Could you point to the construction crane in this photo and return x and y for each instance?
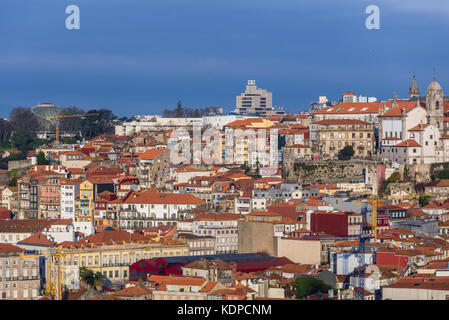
(58, 117)
(54, 119)
(360, 279)
(52, 288)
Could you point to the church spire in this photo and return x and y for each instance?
(414, 90)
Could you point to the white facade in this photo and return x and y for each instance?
(85, 227)
(225, 233)
(345, 263)
(57, 233)
(154, 123)
(182, 176)
(68, 200)
(219, 122)
(60, 232)
(157, 211)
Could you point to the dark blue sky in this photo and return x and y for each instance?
(142, 56)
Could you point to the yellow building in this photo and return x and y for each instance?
(86, 205)
(241, 145)
(110, 254)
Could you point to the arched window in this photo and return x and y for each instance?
(437, 105)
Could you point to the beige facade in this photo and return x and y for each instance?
(254, 100)
(304, 251)
(19, 277)
(258, 237)
(414, 294)
(113, 260)
(334, 135)
(294, 152)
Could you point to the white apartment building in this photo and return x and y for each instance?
(223, 227)
(13, 231)
(156, 123)
(144, 209)
(69, 192)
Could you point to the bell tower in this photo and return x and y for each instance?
(434, 105)
(414, 90)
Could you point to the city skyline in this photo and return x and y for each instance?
(145, 59)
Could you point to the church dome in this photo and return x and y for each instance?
(434, 85)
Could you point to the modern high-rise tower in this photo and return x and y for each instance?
(254, 101)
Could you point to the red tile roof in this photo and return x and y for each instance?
(7, 248)
(340, 121)
(151, 197)
(408, 143)
(37, 239)
(150, 154)
(353, 108)
(216, 217)
(418, 127)
(403, 105)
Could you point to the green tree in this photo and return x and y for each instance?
(22, 140)
(87, 275)
(99, 280)
(346, 153)
(306, 286)
(13, 182)
(40, 158)
(395, 177)
(405, 172)
(424, 200)
(443, 174)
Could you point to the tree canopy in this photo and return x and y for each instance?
(91, 278)
(40, 158)
(424, 200)
(22, 141)
(306, 286)
(181, 112)
(346, 153)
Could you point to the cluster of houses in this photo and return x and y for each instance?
(154, 229)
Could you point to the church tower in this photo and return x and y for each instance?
(414, 90)
(434, 105)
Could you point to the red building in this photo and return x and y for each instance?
(392, 257)
(246, 262)
(340, 224)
